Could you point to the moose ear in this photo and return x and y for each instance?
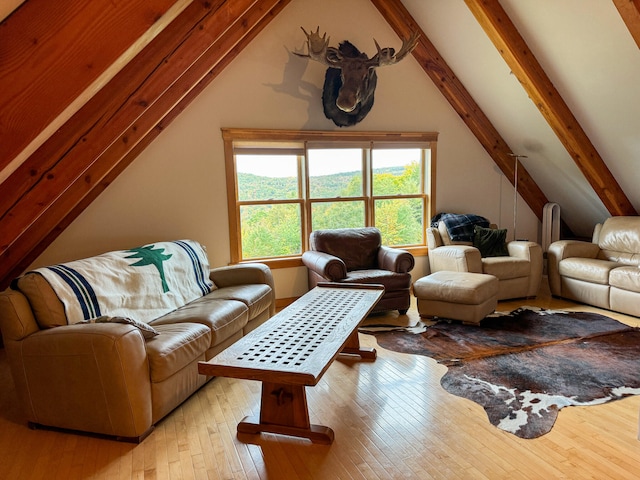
(333, 57)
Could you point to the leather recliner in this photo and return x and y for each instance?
(519, 273)
(604, 272)
(356, 255)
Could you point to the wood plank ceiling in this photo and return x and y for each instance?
(74, 163)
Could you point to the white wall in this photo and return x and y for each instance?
(176, 187)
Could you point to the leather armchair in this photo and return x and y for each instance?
(519, 274)
(356, 255)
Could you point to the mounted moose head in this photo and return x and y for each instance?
(350, 80)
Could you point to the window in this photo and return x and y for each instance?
(284, 184)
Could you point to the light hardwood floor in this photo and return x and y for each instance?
(392, 420)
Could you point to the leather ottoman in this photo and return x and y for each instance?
(464, 296)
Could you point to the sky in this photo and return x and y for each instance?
(322, 161)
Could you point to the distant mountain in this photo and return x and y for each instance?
(255, 187)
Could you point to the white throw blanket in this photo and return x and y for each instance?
(143, 283)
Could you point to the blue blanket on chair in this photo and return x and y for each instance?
(460, 226)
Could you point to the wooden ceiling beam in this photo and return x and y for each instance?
(463, 103)
(630, 12)
(52, 52)
(96, 144)
(503, 33)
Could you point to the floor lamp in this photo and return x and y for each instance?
(515, 191)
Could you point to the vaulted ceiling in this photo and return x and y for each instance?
(67, 131)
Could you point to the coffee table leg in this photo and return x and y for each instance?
(284, 410)
(353, 347)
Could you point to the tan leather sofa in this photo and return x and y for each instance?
(519, 274)
(107, 378)
(604, 272)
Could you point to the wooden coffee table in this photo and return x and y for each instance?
(292, 350)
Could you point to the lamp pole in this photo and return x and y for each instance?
(515, 191)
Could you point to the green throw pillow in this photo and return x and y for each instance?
(490, 241)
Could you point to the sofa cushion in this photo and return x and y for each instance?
(390, 281)
(178, 345)
(625, 278)
(621, 234)
(222, 317)
(587, 269)
(257, 297)
(622, 258)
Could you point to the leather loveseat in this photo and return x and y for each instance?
(604, 272)
(124, 353)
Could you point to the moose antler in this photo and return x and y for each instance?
(319, 49)
(350, 80)
(387, 56)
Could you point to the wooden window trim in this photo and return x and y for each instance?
(231, 135)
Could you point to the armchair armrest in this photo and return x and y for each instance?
(528, 250)
(88, 377)
(242, 274)
(434, 239)
(532, 252)
(395, 260)
(325, 265)
(455, 258)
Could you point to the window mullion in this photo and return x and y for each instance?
(306, 220)
(368, 185)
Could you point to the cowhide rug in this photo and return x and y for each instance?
(525, 366)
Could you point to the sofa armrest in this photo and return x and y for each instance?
(16, 316)
(565, 249)
(573, 248)
(395, 260)
(455, 258)
(88, 377)
(242, 274)
(324, 264)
